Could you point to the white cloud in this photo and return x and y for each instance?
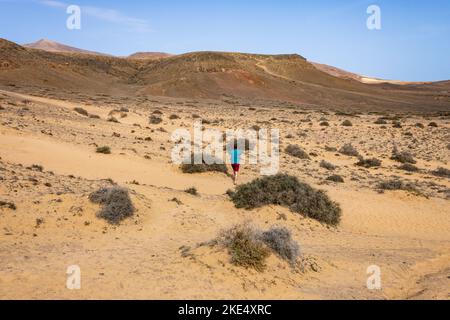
(105, 14)
(54, 4)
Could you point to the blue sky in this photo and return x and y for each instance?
(413, 43)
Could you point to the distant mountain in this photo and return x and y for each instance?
(339, 73)
(214, 75)
(52, 46)
(149, 55)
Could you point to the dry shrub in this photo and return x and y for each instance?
(408, 167)
(191, 167)
(245, 247)
(7, 204)
(104, 150)
(296, 151)
(193, 191)
(442, 172)
(349, 150)
(327, 165)
(347, 123)
(402, 156)
(81, 111)
(279, 239)
(249, 247)
(336, 178)
(396, 184)
(116, 204)
(368, 163)
(380, 121)
(155, 119)
(287, 191)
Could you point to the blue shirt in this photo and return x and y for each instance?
(235, 156)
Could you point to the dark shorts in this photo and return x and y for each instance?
(235, 167)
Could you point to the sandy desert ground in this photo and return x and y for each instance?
(49, 166)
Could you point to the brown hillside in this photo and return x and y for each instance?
(149, 55)
(212, 75)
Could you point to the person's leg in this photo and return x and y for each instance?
(235, 177)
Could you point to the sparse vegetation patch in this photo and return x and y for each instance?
(402, 156)
(349, 150)
(104, 150)
(116, 204)
(287, 191)
(296, 151)
(191, 167)
(368, 163)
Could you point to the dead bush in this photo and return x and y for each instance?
(368, 163)
(347, 123)
(349, 150)
(81, 111)
(327, 165)
(296, 151)
(279, 239)
(442, 172)
(7, 204)
(155, 119)
(402, 156)
(192, 167)
(116, 204)
(104, 150)
(408, 167)
(336, 178)
(245, 247)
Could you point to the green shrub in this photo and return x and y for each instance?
(104, 150)
(324, 124)
(433, 124)
(173, 117)
(287, 191)
(116, 204)
(296, 151)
